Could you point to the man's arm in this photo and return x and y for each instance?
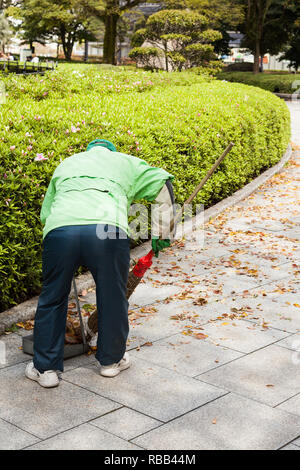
(163, 213)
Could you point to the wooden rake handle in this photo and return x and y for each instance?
(201, 184)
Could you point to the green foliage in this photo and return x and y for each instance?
(179, 121)
(222, 15)
(182, 35)
(69, 20)
(292, 52)
(146, 56)
(277, 83)
(212, 70)
(5, 32)
(138, 37)
(175, 21)
(267, 26)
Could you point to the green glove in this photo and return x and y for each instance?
(158, 245)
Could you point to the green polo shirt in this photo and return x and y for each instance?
(98, 187)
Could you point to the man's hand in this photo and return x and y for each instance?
(158, 245)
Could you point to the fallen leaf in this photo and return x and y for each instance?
(200, 301)
(200, 335)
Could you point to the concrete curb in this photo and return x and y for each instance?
(26, 310)
(288, 96)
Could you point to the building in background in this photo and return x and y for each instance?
(239, 55)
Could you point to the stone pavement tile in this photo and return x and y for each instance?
(230, 422)
(11, 352)
(13, 438)
(230, 283)
(284, 291)
(146, 294)
(215, 286)
(290, 447)
(293, 233)
(295, 114)
(184, 266)
(258, 310)
(44, 412)
(275, 314)
(238, 224)
(78, 361)
(291, 342)
(15, 355)
(159, 325)
(84, 437)
(292, 405)
(89, 298)
(297, 442)
(241, 335)
(268, 375)
(125, 423)
(153, 327)
(186, 355)
(150, 389)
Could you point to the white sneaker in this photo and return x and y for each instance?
(114, 369)
(48, 379)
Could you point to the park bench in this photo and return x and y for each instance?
(25, 68)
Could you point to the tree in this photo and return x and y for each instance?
(5, 32)
(182, 35)
(222, 15)
(110, 12)
(4, 4)
(66, 19)
(268, 26)
(256, 15)
(292, 50)
(27, 27)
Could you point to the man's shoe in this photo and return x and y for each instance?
(48, 379)
(114, 369)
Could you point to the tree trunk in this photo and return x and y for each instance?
(110, 38)
(256, 56)
(67, 41)
(166, 55)
(68, 49)
(86, 50)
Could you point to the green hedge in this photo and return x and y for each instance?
(277, 83)
(181, 128)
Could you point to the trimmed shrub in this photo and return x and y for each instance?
(277, 83)
(147, 57)
(182, 128)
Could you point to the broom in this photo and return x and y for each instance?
(137, 273)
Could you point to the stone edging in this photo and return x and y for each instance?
(288, 96)
(26, 310)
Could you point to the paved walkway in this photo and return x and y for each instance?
(215, 347)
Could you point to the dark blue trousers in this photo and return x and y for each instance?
(107, 257)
